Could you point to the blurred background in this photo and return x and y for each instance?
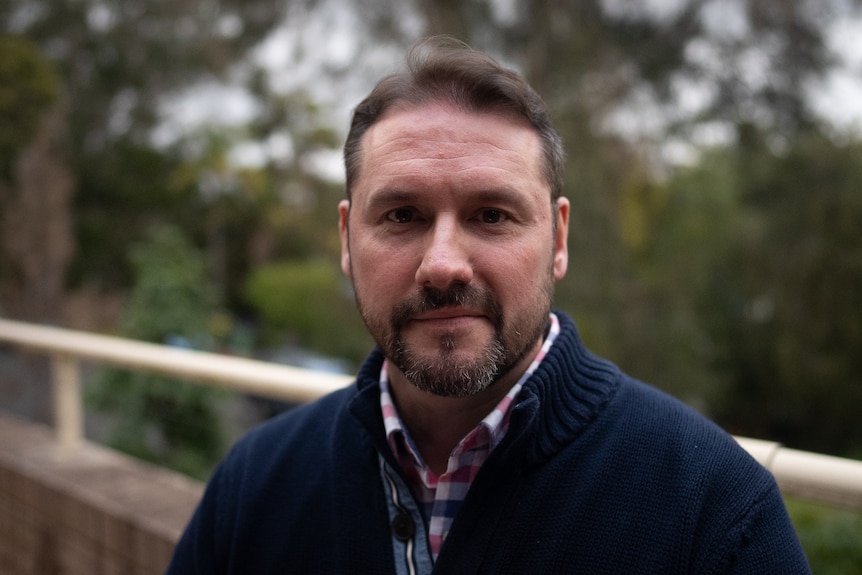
(169, 171)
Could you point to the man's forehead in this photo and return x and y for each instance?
(427, 128)
(443, 107)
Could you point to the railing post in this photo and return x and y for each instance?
(68, 404)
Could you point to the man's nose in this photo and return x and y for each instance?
(446, 259)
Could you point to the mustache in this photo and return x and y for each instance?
(457, 295)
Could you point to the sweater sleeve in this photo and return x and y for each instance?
(197, 551)
(762, 543)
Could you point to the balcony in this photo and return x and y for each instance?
(68, 505)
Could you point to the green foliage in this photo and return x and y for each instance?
(116, 66)
(117, 59)
(785, 305)
(160, 419)
(166, 421)
(172, 294)
(28, 88)
(129, 188)
(293, 294)
(741, 287)
(688, 221)
(829, 536)
(312, 303)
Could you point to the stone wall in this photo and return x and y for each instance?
(85, 510)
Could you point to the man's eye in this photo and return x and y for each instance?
(492, 216)
(401, 215)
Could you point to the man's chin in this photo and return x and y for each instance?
(450, 388)
(435, 343)
(452, 373)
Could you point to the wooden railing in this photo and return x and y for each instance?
(802, 474)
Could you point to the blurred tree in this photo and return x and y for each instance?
(118, 62)
(306, 299)
(35, 185)
(786, 307)
(156, 418)
(28, 90)
(36, 228)
(830, 536)
(280, 207)
(297, 203)
(691, 223)
(123, 191)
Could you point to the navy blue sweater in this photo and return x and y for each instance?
(599, 473)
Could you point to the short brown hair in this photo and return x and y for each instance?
(441, 68)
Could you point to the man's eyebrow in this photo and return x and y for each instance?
(390, 196)
(500, 195)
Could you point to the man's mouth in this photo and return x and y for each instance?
(448, 313)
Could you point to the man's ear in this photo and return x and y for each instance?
(561, 236)
(343, 213)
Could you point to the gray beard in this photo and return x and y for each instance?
(451, 373)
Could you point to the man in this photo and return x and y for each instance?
(481, 436)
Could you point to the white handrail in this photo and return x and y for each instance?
(236, 373)
(813, 476)
(810, 476)
(68, 347)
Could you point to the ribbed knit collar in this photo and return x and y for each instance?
(567, 391)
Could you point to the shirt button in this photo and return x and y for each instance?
(403, 527)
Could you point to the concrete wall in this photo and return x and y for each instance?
(86, 510)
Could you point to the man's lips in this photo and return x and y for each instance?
(447, 314)
(447, 319)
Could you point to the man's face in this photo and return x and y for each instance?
(450, 240)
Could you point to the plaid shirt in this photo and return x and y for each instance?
(440, 496)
